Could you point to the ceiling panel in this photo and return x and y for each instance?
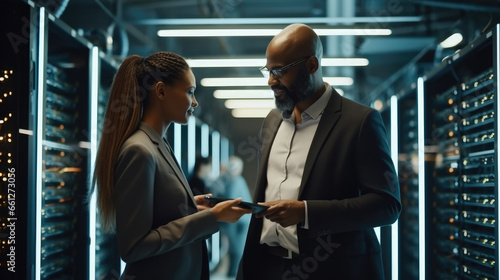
(386, 54)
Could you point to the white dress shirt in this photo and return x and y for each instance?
(286, 166)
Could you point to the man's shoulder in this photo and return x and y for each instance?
(351, 105)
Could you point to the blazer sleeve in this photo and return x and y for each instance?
(133, 193)
(378, 202)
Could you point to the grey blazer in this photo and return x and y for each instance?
(159, 229)
(350, 186)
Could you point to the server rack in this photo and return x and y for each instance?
(408, 173)
(461, 163)
(56, 85)
(49, 85)
(385, 233)
(104, 256)
(62, 153)
(15, 137)
(401, 241)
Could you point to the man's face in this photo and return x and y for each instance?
(292, 89)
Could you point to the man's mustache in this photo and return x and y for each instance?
(279, 88)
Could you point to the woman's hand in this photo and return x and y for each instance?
(201, 202)
(228, 212)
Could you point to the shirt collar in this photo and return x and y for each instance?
(316, 109)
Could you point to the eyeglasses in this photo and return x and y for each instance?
(279, 73)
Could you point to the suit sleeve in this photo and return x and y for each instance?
(379, 201)
(133, 193)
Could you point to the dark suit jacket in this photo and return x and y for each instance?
(159, 229)
(350, 186)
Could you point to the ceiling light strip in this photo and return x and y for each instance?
(250, 103)
(289, 20)
(250, 93)
(257, 62)
(242, 82)
(243, 94)
(250, 113)
(267, 32)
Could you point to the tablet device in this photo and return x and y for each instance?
(247, 205)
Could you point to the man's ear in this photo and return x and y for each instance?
(312, 64)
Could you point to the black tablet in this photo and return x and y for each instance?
(247, 205)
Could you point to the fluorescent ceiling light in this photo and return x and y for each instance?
(267, 32)
(339, 81)
(233, 62)
(250, 103)
(243, 93)
(258, 62)
(250, 113)
(452, 41)
(233, 82)
(277, 20)
(250, 93)
(353, 32)
(245, 82)
(344, 62)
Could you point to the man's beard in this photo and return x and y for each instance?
(298, 91)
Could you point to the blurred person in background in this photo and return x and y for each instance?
(201, 175)
(231, 184)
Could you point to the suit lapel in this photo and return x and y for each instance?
(331, 115)
(269, 130)
(168, 156)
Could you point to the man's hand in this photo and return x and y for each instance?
(284, 212)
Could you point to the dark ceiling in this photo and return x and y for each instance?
(133, 25)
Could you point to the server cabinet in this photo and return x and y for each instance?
(16, 137)
(385, 234)
(461, 163)
(400, 241)
(50, 88)
(62, 212)
(104, 259)
(408, 173)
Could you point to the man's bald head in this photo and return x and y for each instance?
(298, 50)
(294, 42)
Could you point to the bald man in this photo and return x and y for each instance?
(325, 172)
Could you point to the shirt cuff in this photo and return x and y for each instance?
(306, 221)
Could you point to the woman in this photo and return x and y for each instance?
(142, 193)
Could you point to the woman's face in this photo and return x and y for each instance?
(180, 100)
